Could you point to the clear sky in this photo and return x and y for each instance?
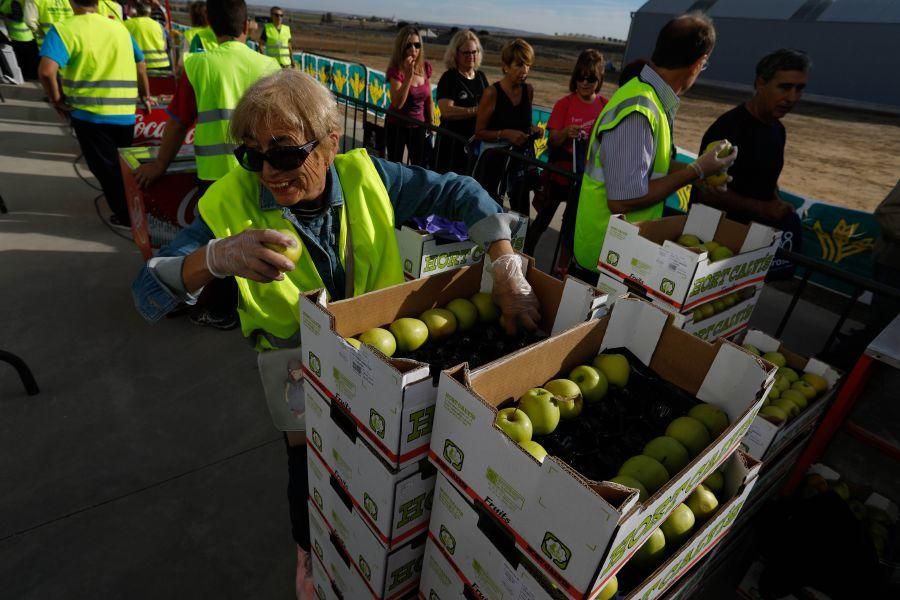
(595, 17)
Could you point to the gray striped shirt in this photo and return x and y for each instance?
(627, 151)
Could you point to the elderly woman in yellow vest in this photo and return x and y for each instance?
(276, 38)
(340, 209)
(150, 37)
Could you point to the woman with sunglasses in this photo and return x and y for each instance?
(409, 76)
(458, 93)
(339, 210)
(569, 125)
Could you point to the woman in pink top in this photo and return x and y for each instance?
(570, 125)
(409, 75)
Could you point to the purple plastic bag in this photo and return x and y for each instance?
(443, 228)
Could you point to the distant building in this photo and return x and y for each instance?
(854, 44)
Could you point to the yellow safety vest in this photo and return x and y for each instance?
(150, 39)
(593, 211)
(269, 312)
(208, 40)
(110, 9)
(101, 76)
(190, 33)
(219, 78)
(18, 30)
(51, 12)
(278, 44)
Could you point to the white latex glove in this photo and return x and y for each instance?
(513, 294)
(709, 162)
(245, 255)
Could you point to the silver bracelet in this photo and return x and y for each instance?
(697, 169)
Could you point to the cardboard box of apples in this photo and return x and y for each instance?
(690, 260)
(803, 389)
(601, 470)
(377, 356)
(469, 551)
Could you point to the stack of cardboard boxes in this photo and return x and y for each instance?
(709, 298)
(369, 421)
(507, 526)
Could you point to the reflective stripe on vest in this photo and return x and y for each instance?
(366, 228)
(593, 213)
(149, 36)
(101, 76)
(219, 77)
(278, 43)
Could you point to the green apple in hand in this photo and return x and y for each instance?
(534, 449)
(292, 253)
(542, 408)
(441, 322)
(379, 338)
(515, 423)
(615, 367)
(410, 333)
(568, 397)
(465, 312)
(487, 310)
(591, 381)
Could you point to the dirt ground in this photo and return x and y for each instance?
(841, 156)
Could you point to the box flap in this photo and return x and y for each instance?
(734, 373)
(759, 236)
(580, 302)
(636, 325)
(703, 221)
(825, 370)
(762, 341)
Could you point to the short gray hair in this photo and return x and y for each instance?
(291, 99)
(784, 59)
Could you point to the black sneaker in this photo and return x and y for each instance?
(204, 318)
(120, 223)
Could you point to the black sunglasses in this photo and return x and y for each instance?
(588, 78)
(277, 14)
(282, 158)
(415, 45)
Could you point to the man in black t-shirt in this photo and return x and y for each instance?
(755, 127)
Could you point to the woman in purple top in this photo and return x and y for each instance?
(409, 75)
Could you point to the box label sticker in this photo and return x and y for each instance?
(311, 324)
(556, 551)
(502, 489)
(345, 387)
(453, 455)
(315, 365)
(376, 423)
(447, 540)
(458, 410)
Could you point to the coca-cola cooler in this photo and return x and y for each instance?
(165, 207)
(149, 126)
(162, 81)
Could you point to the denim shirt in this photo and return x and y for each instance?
(413, 191)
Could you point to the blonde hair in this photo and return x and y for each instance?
(460, 38)
(400, 49)
(291, 99)
(517, 50)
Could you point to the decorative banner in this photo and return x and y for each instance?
(356, 81)
(309, 64)
(339, 77)
(840, 236)
(377, 89)
(539, 118)
(323, 71)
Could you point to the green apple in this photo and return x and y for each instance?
(805, 389)
(669, 452)
(715, 482)
(465, 312)
(487, 310)
(514, 423)
(776, 358)
(534, 449)
(788, 373)
(697, 315)
(292, 253)
(615, 367)
(817, 381)
(774, 414)
(752, 349)
(353, 342)
(703, 503)
(710, 246)
(631, 482)
(730, 300)
(609, 590)
(707, 310)
(381, 339)
(688, 240)
(787, 406)
(692, 434)
(774, 393)
(782, 383)
(542, 408)
(796, 397)
(718, 305)
(677, 527)
(713, 417)
(441, 322)
(648, 471)
(720, 253)
(410, 333)
(568, 397)
(652, 552)
(591, 381)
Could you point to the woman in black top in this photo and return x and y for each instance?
(458, 94)
(504, 117)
